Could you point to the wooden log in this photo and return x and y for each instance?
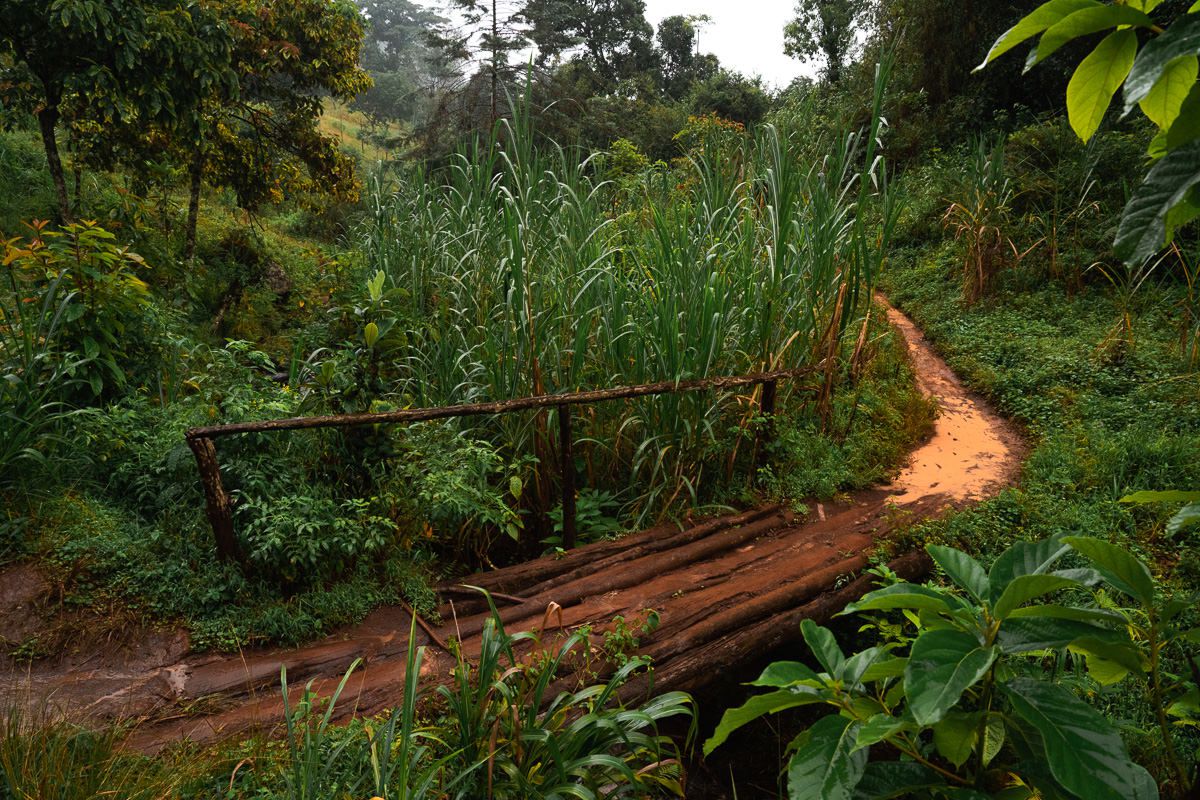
(544, 401)
(567, 466)
(640, 571)
(687, 670)
(518, 578)
(220, 510)
(746, 522)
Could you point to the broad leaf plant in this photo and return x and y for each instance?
(969, 697)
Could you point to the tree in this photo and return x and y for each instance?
(825, 31)
(262, 138)
(611, 37)
(496, 28)
(682, 66)
(398, 55)
(144, 63)
(731, 96)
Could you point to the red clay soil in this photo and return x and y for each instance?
(726, 591)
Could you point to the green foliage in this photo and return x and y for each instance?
(550, 295)
(682, 65)
(46, 758)
(825, 31)
(971, 706)
(135, 62)
(504, 719)
(1161, 79)
(980, 219)
(1103, 429)
(73, 328)
(262, 139)
(311, 539)
(730, 95)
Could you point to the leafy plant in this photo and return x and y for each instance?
(961, 691)
(35, 372)
(1127, 281)
(1159, 77)
(625, 638)
(596, 518)
(980, 217)
(504, 714)
(310, 769)
(308, 538)
(1189, 306)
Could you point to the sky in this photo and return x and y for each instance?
(747, 35)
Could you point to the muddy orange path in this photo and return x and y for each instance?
(726, 591)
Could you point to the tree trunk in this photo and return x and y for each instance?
(197, 177)
(495, 61)
(48, 121)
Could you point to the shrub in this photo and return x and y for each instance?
(973, 705)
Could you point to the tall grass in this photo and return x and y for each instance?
(520, 279)
(45, 759)
(34, 371)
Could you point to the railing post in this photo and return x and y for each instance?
(567, 465)
(220, 511)
(766, 431)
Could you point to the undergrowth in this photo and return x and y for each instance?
(1103, 424)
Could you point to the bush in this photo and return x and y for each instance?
(977, 704)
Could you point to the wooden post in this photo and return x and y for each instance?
(766, 431)
(567, 464)
(220, 512)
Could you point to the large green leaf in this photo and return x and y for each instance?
(885, 668)
(1083, 23)
(883, 780)
(1108, 662)
(858, 664)
(1098, 615)
(1186, 705)
(1024, 558)
(781, 674)
(1034, 23)
(758, 706)
(1185, 517)
(962, 569)
(1186, 126)
(880, 727)
(1180, 40)
(906, 595)
(993, 736)
(941, 666)
(1030, 634)
(824, 646)
(1119, 567)
(1097, 79)
(1085, 753)
(1164, 102)
(956, 735)
(826, 765)
(1026, 588)
(1144, 498)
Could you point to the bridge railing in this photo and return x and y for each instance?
(220, 508)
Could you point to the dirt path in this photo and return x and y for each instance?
(725, 591)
